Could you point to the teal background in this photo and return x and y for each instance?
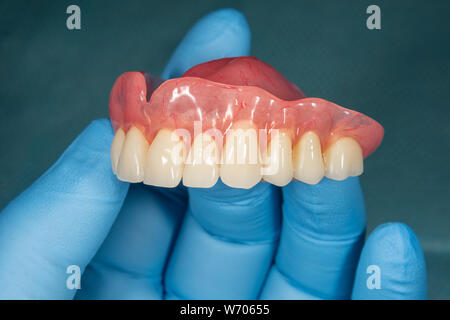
(54, 81)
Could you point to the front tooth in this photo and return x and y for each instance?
(343, 159)
(116, 148)
(308, 163)
(279, 170)
(165, 160)
(240, 158)
(130, 167)
(202, 169)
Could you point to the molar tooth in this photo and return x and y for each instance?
(116, 148)
(165, 160)
(279, 170)
(240, 157)
(130, 167)
(202, 169)
(308, 162)
(343, 159)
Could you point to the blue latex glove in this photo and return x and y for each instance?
(144, 242)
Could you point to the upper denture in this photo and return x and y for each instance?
(223, 92)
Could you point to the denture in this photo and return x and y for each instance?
(237, 119)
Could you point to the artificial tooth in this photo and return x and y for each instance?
(165, 160)
(130, 167)
(202, 165)
(279, 169)
(240, 157)
(343, 159)
(308, 162)
(116, 148)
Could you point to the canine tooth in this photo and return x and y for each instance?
(343, 159)
(279, 170)
(240, 157)
(130, 167)
(116, 148)
(165, 162)
(202, 169)
(308, 162)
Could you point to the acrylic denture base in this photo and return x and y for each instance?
(233, 118)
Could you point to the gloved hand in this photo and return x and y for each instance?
(143, 242)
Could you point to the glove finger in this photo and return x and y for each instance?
(226, 243)
(130, 263)
(321, 239)
(61, 219)
(391, 266)
(219, 34)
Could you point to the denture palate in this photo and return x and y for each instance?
(236, 119)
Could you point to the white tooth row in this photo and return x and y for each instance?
(163, 162)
